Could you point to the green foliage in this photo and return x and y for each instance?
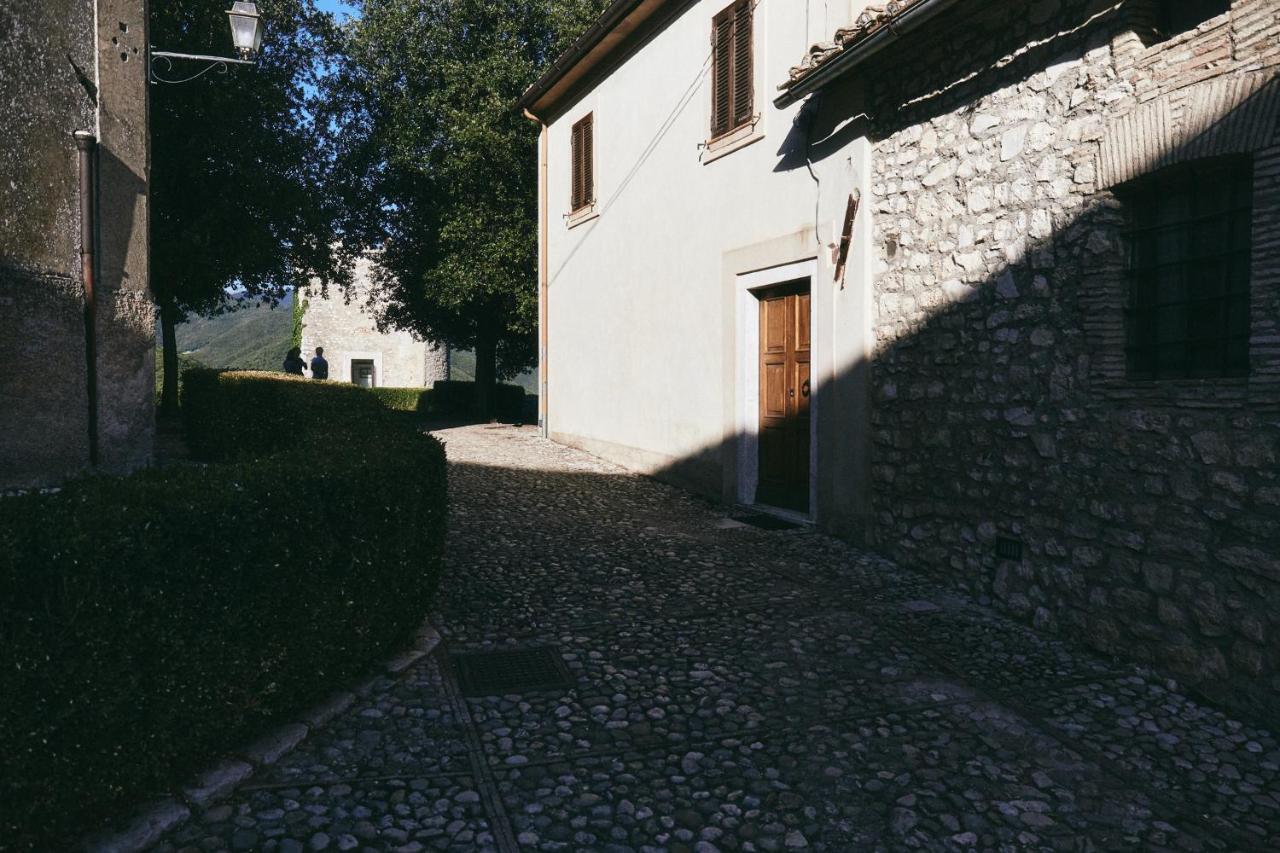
(242, 179)
(462, 366)
(150, 623)
(299, 311)
(443, 169)
(459, 398)
(252, 337)
(404, 399)
(185, 363)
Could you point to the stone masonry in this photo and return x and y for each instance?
(66, 66)
(346, 327)
(1148, 512)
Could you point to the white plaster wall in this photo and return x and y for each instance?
(640, 349)
(347, 330)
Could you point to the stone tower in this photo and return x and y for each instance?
(345, 326)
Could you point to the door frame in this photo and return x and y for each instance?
(348, 356)
(747, 291)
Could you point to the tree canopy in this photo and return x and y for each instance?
(442, 169)
(243, 190)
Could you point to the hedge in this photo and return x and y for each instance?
(405, 399)
(460, 398)
(452, 398)
(149, 623)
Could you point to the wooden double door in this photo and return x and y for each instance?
(783, 472)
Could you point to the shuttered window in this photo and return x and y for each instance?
(1190, 252)
(732, 78)
(583, 169)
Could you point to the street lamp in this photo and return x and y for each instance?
(246, 36)
(246, 29)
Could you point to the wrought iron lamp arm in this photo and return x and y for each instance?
(214, 62)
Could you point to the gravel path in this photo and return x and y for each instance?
(735, 689)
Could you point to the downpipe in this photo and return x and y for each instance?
(87, 145)
(543, 314)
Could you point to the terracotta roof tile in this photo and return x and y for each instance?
(872, 20)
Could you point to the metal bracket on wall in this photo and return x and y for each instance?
(218, 63)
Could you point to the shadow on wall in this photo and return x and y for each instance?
(1146, 512)
(44, 431)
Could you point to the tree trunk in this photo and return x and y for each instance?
(486, 378)
(169, 341)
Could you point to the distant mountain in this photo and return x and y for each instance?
(462, 368)
(253, 337)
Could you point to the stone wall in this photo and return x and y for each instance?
(1148, 512)
(59, 75)
(344, 325)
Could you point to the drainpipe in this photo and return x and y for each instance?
(543, 424)
(87, 144)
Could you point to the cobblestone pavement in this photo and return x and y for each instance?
(735, 689)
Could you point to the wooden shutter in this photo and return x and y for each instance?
(583, 166)
(575, 200)
(721, 72)
(743, 90)
(588, 161)
(732, 89)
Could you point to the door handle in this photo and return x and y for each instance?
(791, 393)
(804, 389)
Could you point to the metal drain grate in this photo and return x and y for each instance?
(767, 522)
(510, 671)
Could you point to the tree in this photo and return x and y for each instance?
(444, 168)
(241, 172)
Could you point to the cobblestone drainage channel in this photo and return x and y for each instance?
(510, 671)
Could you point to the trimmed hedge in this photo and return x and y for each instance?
(405, 399)
(460, 398)
(149, 623)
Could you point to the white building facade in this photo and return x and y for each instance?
(657, 279)
(991, 287)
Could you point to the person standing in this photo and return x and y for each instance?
(319, 367)
(293, 362)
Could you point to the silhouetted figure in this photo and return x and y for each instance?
(319, 367)
(293, 362)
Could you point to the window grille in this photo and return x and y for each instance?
(1189, 244)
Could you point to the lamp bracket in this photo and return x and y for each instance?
(218, 63)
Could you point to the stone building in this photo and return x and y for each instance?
(993, 288)
(356, 351)
(68, 66)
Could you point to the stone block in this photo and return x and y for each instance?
(272, 747)
(217, 782)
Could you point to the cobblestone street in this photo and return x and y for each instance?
(736, 689)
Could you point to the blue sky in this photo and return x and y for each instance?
(338, 7)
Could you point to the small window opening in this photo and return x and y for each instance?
(362, 373)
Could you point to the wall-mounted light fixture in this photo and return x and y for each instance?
(246, 36)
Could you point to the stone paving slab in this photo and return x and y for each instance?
(736, 689)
